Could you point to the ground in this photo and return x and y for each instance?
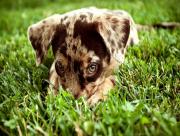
(145, 101)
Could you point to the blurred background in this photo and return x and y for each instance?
(21, 13)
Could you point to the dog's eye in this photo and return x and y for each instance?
(59, 68)
(92, 68)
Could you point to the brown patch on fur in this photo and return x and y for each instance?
(126, 31)
(114, 20)
(91, 38)
(44, 21)
(59, 38)
(37, 45)
(112, 42)
(82, 17)
(114, 27)
(65, 17)
(119, 43)
(122, 51)
(67, 24)
(63, 50)
(108, 17)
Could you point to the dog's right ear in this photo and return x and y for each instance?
(41, 34)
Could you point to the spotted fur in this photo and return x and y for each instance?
(83, 41)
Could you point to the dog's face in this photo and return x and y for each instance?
(82, 59)
(87, 44)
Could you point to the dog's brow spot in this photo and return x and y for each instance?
(89, 60)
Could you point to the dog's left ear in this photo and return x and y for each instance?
(41, 35)
(115, 31)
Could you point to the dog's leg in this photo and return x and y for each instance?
(102, 91)
(53, 80)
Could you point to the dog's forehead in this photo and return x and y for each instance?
(72, 25)
(70, 19)
(73, 50)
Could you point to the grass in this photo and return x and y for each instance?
(145, 101)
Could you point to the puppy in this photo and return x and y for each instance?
(88, 45)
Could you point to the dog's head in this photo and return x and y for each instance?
(87, 46)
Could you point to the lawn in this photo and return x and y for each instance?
(145, 101)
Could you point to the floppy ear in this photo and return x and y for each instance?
(41, 34)
(115, 31)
